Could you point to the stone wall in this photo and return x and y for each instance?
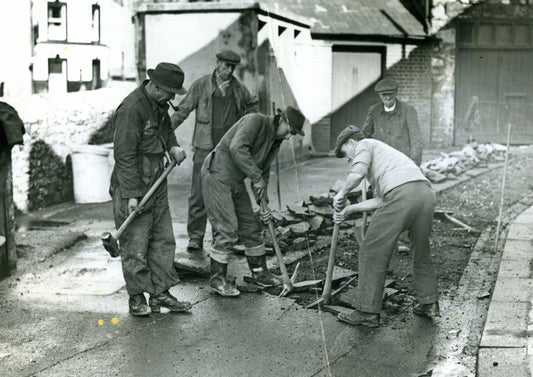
(61, 122)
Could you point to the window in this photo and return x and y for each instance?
(96, 23)
(57, 21)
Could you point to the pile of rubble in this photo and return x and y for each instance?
(451, 165)
(303, 224)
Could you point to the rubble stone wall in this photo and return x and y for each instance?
(61, 122)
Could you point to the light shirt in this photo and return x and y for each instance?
(383, 166)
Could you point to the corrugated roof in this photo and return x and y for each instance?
(359, 17)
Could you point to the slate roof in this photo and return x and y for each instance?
(356, 17)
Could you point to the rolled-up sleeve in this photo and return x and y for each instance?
(362, 160)
(128, 131)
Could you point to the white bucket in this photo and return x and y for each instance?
(91, 172)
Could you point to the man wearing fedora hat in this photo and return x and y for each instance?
(143, 135)
(219, 100)
(394, 122)
(245, 151)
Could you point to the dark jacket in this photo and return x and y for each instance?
(11, 126)
(200, 98)
(248, 148)
(399, 129)
(142, 135)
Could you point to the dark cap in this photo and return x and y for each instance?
(294, 118)
(350, 132)
(387, 85)
(229, 57)
(169, 77)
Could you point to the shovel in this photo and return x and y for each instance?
(365, 206)
(110, 239)
(287, 281)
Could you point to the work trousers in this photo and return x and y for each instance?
(197, 218)
(147, 244)
(229, 211)
(407, 207)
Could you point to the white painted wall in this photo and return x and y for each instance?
(15, 44)
(116, 51)
(79, 60)
(118, 32)
(174, 37)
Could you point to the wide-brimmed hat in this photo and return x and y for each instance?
(350, 132)
(294, 118)
(229, 57)
(387, 85)
(169, 77)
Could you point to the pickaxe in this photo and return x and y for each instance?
(287, 281)
(369, 205)
(110, 239)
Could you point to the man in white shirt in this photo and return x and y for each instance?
(408, 204)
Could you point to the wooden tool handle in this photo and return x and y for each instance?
(116, 234)
(326, 293)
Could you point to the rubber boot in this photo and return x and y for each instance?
(261, 275)
(218, 282)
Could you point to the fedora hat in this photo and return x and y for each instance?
(294, 118)
(169, 77)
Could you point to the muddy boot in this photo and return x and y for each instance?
(260, 272)
(357, 318)
(427, 310)
(138, 306)
(166, 300)
(218, 282)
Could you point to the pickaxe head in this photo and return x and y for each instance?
(110, 244)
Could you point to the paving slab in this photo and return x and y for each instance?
(518, 249)
(513, 289)
(520, 231)
(506, 325)
(511, 268)
(524, 218)
(503, 362)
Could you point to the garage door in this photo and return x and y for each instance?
(494, 82)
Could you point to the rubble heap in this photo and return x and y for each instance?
(451, 165)
(301, 225)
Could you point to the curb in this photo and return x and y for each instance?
(506, 347)
(69, 240)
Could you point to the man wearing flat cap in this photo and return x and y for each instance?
(219, 100)
(408, 204)
(143, 135)
(394, 122)
(245, 151)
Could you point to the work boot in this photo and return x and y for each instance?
(427, 310)
(218, 282)
(166, 300)
(357, 318)
(261, 275)
(194, 246)
(138, 306)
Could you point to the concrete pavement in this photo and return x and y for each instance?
(506, 348)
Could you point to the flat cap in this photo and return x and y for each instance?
(386, 85)
(229, 57)
(350, 132)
